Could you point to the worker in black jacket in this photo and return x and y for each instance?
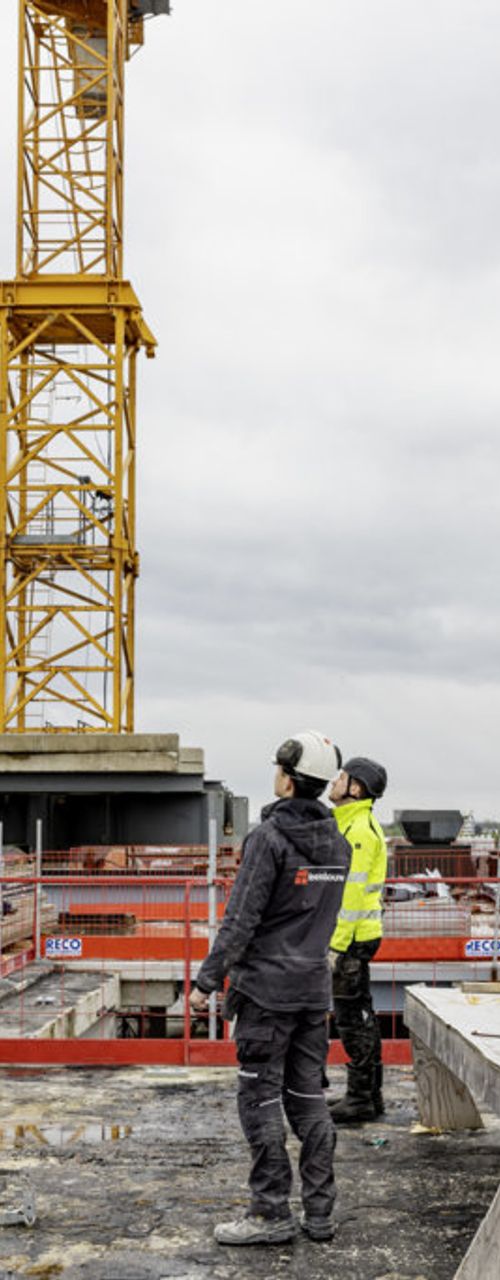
(273, 943)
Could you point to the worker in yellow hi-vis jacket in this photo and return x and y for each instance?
(357, 936)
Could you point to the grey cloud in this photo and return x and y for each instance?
(248, 623)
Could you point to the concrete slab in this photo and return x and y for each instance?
(84, 743)
(64, 753)
(141, 994)
(444, 1100)
(416, 971)
(483, 1257)
(456, 1038)
(56, 1004)
(461, 1029)
(137, 970)
(143, 1205)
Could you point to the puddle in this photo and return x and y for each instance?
(59, 1135)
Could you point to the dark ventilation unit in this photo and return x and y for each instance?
(143, 8)
(429, 826)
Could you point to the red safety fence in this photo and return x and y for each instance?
(408, 861)
(102, 965)
(477, 860)
(432, 917)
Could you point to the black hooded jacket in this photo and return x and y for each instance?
(282, 910)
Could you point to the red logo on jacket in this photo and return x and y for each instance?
(302, 876)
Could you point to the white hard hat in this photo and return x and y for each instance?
(309, 755)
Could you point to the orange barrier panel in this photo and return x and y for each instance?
(430, 949)
(103, 946)
(146, 911)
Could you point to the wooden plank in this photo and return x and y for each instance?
(481, 988)
(19, 925)
(482, 1260)
(443, 1101)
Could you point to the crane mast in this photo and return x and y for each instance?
(71, 328)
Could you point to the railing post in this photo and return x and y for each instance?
(496, 933)
(1, 890)
(212, 916)
(187, 973)
(38, 889)
(227, 1027)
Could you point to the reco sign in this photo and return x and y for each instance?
(481, 948)
(63, 947)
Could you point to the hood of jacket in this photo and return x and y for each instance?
(308, 825)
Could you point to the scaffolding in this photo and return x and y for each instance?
(70, 331)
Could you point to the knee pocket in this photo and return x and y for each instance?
(310, 1121)
(253, 1054)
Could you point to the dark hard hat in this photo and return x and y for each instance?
(372, 775)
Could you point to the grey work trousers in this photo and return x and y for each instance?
(282, 1061)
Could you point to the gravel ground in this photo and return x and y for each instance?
(142, 1204)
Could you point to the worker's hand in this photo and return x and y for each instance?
(198, 1000)
(334, 959)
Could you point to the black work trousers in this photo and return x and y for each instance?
(357, 1022)
(282, 1060)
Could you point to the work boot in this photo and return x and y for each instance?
(351, 1110)
(318, 1228)
(379, 1104)
(254, 1229)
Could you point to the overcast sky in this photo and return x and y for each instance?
(313, 214)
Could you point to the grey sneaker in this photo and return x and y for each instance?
(318, 1228)
(256, 1230)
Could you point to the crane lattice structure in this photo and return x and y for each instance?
(70, 331)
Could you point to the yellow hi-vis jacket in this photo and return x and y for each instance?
(360, 915)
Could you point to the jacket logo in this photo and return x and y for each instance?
(307, 875)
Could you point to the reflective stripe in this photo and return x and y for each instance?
(304, 1095)
(357, 877)
(376, 888)
(271, 1102)
(252, 1075)
(353, 916)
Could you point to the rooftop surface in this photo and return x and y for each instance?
(132, 1169)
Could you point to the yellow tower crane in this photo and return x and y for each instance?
(70, 331)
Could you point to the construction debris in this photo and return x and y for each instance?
(23, 1212)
